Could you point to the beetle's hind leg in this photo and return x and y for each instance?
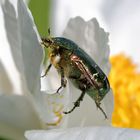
(98, 106)
(63, 80)
(77, 103)
(47, 70)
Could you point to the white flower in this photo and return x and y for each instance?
(34, 109)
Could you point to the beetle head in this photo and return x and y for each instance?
(47, 42)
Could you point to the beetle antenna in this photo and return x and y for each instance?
(49, 36)
(49, 31)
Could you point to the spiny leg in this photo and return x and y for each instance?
(46, 71)
(98, 106)
(77, 103)
(63, 80)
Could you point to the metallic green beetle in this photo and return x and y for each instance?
(75, 64)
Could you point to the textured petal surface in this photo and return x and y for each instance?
(23, 42)
(89, 133)
(5, 51)
(32, 52)
(16, 115)
(94, 40)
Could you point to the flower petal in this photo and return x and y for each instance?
(5, 51)
(16, 116)
(23, 41)
(87, 133)
(32, 53)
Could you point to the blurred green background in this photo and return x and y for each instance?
(41, 10)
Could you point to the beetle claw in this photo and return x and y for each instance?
(60, 88)
(98, 106)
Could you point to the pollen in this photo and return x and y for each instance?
(125, 81)
(57, 110)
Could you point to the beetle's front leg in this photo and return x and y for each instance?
(77, 103)
(46, 71)
(63, 80)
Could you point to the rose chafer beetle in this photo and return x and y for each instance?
(76, 65)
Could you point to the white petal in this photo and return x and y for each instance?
(5, 51)
(23, 42)
(93, 39)
(89, 133)
(16, 116)
(32, 53)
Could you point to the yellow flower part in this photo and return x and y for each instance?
(125, 82)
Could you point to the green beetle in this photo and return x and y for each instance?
(76, 65)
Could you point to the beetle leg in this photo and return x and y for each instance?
(46, 71)
(63, 80)
(98, 106)
(77, 103)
